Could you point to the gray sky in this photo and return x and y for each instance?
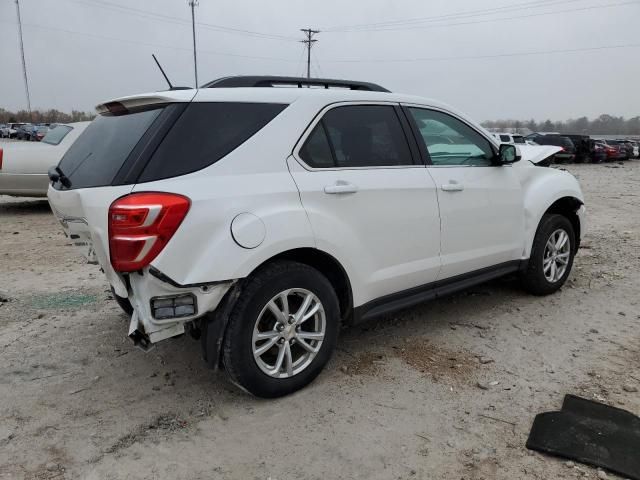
(110, 53)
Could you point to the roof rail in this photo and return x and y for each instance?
(270, 81)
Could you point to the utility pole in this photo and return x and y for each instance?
(309, 41)
(24, 63)
(193, 4)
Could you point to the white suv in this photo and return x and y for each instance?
(261, 219)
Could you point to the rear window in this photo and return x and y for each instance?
(518, 139)
(549, 141)
(56, 134)
(205, 133)
(98, 154)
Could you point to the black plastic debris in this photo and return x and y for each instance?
(591, 433)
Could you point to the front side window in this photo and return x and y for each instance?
(450, 141)
(357, 136)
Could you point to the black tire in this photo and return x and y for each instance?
(259, 289)
(124, 303)
(533, 279)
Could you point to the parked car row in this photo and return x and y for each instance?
(579, 148)
(24, 131)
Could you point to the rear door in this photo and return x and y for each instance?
(481, 204)
(369, 199)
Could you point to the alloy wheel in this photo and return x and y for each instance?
(288, 333)
(556, 256)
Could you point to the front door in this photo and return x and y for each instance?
(481, 204)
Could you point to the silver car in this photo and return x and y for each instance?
(24, 166)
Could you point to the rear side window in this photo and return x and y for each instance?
(316, 151)
(357, 136)
(97, 155)
(205, 133)
(518, 139)
(505, 138)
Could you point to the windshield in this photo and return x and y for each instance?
(55, 135)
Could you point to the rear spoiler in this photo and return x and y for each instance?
(124, 104)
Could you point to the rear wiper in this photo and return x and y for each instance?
(56, 175)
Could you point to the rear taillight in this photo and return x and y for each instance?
(141, 225)
(1, 155)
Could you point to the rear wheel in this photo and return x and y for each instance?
(282, 330)
(551, 256)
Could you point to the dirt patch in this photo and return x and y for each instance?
(364, 363)
(438, 363)
(441, 364)
(161, 424)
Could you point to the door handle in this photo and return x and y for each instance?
(452, 187)
(340, 187)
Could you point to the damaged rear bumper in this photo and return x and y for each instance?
(161, 307)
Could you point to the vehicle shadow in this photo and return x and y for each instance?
(20, 206)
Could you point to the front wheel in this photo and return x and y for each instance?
(551, 255)
(282, 330)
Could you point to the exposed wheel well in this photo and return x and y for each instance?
(568, 207)
(329, 267)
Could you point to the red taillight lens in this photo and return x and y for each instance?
(1, 155)
(141, 225)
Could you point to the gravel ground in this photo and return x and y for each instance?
(447, 390)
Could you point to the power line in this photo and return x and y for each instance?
(315, 59)
(169, 19)
(24, 63)
(309, 41)
(464, 14)
(476, 57)
(300, 63)
(147, 44)
(518, 17)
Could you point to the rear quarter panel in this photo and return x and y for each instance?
(254, 179)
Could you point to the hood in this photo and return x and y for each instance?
(537, 153)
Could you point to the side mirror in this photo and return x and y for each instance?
(508, 154)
